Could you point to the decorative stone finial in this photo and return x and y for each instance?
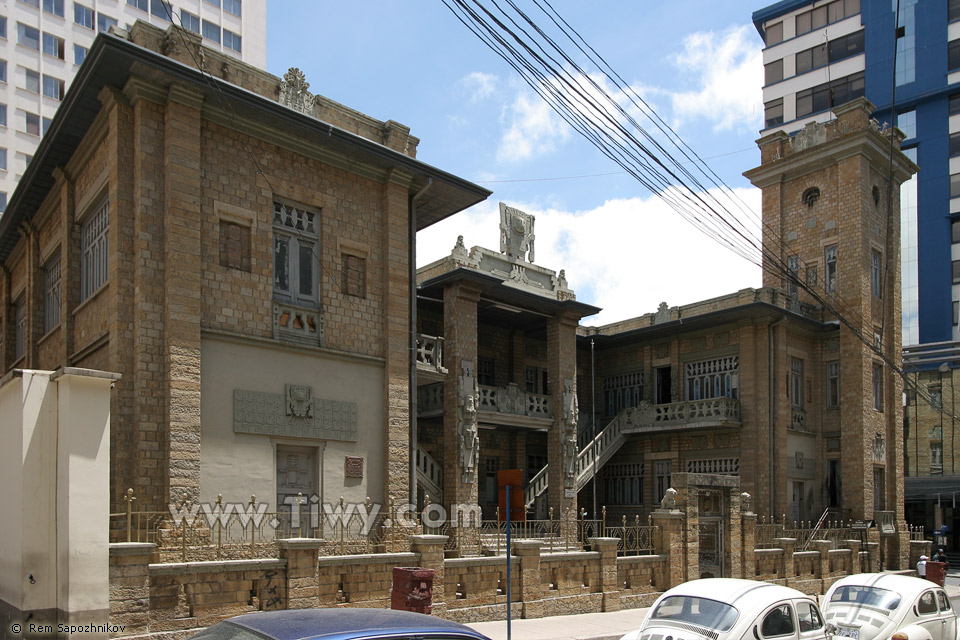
(293, 92)
(745, 502)
(663, 314)
(669, 499)
(516, 233)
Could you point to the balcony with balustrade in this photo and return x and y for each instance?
(429, 356)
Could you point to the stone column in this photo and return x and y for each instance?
(562, 437)
(430, 548)
(130, 585)
(670, 542)
(303, 586)
(609, 577)
(396, 330)
(748, 533)
(460, 357)
(183, 172)
(789, 569)
(733, 538)
(823, 548)
(530, 593)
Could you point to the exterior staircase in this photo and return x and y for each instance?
(430, 475)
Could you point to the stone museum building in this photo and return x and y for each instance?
(240, 251)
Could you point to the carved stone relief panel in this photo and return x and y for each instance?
(294, 413)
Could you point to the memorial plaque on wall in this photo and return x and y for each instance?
(353, 467)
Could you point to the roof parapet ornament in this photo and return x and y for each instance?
(293, 92)
(516, 233)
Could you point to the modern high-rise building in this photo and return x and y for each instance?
(821, 54)
(44, 42)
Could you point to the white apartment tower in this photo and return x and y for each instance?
(43, 43)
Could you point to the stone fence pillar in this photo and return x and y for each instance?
(530, 593)
(748, 532)
(671, 543)
(303, 581)
(430, 548)
(788, 570)
(609, 579)
(823, 548)
(130, 585)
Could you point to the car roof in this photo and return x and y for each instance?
(907, 586)
(734, 590)
(345, 623)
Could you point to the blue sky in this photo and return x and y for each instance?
(696, 62)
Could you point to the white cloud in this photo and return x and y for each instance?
(533, 128)
(480, 85)
(625, 256)
(729, 72)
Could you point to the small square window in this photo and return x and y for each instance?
(53, 87)
(31, 123)
(46, 124)
(773, 34)
(161, 9)
(953, 9)
(773, 72)
(79, 54)
(231, 41)
(211, 31)
(53, 6)
(3, 27)
(956, 271)
(32, 3)
(28, 36)
(82, 15)
(53, 46)
(955, 231)
(953, 55)
(773, 113)
(189, 21)
(3, 115)
(31, 80)
(3, 159)
(215, 3)
(954, 144)
(954, 104)
(354, 276)
(233, 6)
(3, 70)
(234, 246)
(104, 22)
(143, 5)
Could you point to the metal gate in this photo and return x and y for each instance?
(711, 534)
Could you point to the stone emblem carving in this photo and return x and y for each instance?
(468, 402)
(571, 415)
(516, 233)
(879, 448)
(294, 413)
(293, 92)
(810, 136)
(299, 403)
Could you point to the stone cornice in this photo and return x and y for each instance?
(137, 89)
(870, 143)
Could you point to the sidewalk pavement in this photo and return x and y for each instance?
(603, 626)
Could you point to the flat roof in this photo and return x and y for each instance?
(775, 11)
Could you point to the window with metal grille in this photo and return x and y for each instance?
(93, 241)
(622, 391)
(833, 385)
(796, 383)
(295, 263)
(717, 378)
(51, 294)
(20, 327)
(623, 483)
(830, 268)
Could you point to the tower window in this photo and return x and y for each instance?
(811, 195)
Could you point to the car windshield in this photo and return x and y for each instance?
(228, 631)
(702, 612)
(866, 596)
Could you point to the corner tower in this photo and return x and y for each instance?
(831, 234)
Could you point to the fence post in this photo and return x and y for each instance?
(253, 530)
(748, 533)
(789, 568)
(182, 506)
(302, 574)
(823, 548)
(430, 549)
(530, 593)
(609, 576)
(671, 544)
(129, 498)
(219, 526)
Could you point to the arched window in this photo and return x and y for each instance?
(811, 195)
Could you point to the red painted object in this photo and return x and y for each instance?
(412, 589)
(936, 571)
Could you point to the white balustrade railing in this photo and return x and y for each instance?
(488, 398)
(430, 352)
(539, 406)
(696, 411)
(512, 400)
(297, 324)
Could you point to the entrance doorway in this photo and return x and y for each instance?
(296, 474)
(662, 389)
(711, 534)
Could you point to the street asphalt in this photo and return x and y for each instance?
(611, 625)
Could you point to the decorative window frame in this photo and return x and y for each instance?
(298, 226)
(94, 249)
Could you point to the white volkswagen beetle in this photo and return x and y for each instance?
(882, 605)
(732, 609)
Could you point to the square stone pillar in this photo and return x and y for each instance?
(530, 594)
(748, 534)
(789, 567)
(671, 543)
(609, 578)
(823, 548)
(460, 484)
(562, 437)
(430, 549)
(130, 585)
(303, 581)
